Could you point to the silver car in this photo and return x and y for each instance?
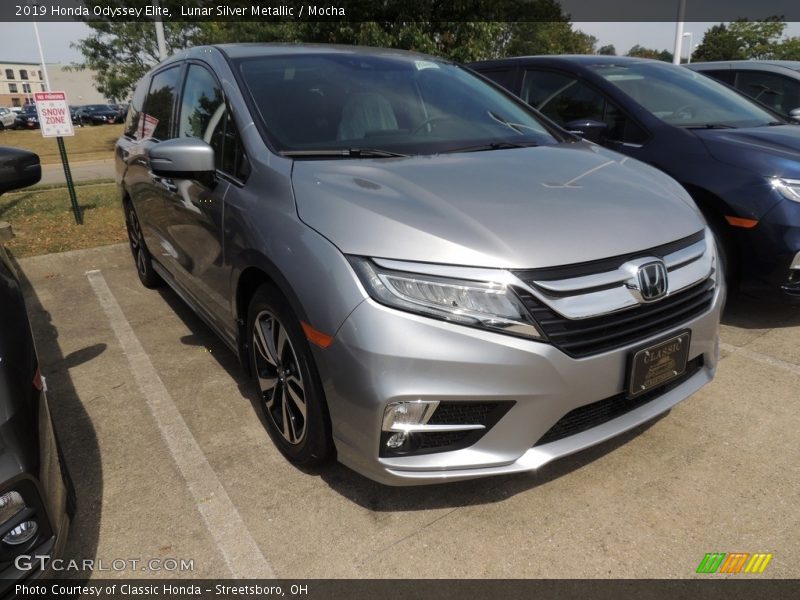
(425, 278)
(8, 118)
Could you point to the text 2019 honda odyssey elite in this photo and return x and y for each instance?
(424, 276)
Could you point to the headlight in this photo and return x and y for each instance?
(789, 188)
(485, 304)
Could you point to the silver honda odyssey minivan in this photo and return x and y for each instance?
(425, 278)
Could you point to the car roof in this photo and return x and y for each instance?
(789, 64)
(249, 50)
(583, 60)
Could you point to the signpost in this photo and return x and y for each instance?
(55, 121)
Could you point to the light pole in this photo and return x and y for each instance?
(676, 55)
(689, 53)
(162, 43)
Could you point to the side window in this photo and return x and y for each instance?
(200, 102)
(205, 115)
(133, 128)
(156, 120)
(228, 147)
(564, 98)
(723, 75)
(776, 91)
(505, 77)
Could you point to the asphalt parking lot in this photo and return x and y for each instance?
(170, 460)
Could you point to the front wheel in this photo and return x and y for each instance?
(144, 263)
(289, 391)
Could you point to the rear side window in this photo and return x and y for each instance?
(135, 108)
(156, 120)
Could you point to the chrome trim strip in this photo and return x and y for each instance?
(685, 255)
(622, 274)
(424, 428)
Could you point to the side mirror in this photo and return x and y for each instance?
(180, 157)
(794, 114)
(18, 169)
(587, 128)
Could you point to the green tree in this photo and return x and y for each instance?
(788, 49)
(758, 39)
(608, 50)
(642, 52)
(718, 44)
(553, 37)
(119, 53)
(743, 40)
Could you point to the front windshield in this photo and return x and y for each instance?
(682, 97)
(340, 102)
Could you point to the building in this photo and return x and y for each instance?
(19, 81)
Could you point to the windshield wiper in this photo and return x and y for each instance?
(491, 146)
(708, 126)
(343, 153)
(517, 127)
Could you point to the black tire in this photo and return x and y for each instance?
(286, 380)
(726, 252)
(141, 256)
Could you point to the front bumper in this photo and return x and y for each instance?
(771, 250)
(381, 355)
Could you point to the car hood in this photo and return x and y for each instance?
(766, 151)
(516, 208)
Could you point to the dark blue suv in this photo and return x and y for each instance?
(740, 162)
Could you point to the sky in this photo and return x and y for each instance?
(19, 44)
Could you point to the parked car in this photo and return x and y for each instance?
(8, 120)
(28, 118)
(739, 162)
(774, 83)
(36, 496)
(98, 114)
(121, 110)
(422, 275)
(75, 116)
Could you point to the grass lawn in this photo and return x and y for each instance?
(88, 143)
(42, 220)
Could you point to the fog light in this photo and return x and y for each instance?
(10, 504)
(401, 416)
(24, 532)
(397, 440)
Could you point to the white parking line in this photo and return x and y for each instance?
(762, 358)
(239, 550)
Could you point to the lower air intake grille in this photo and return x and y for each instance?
(585, 417)
(585, 337)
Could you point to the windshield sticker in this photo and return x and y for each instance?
(425, 64)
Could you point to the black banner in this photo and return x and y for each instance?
(396, 10)
(732, 588)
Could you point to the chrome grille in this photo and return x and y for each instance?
(590, 308)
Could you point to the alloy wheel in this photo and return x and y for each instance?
(279, 378)
(137, 242)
